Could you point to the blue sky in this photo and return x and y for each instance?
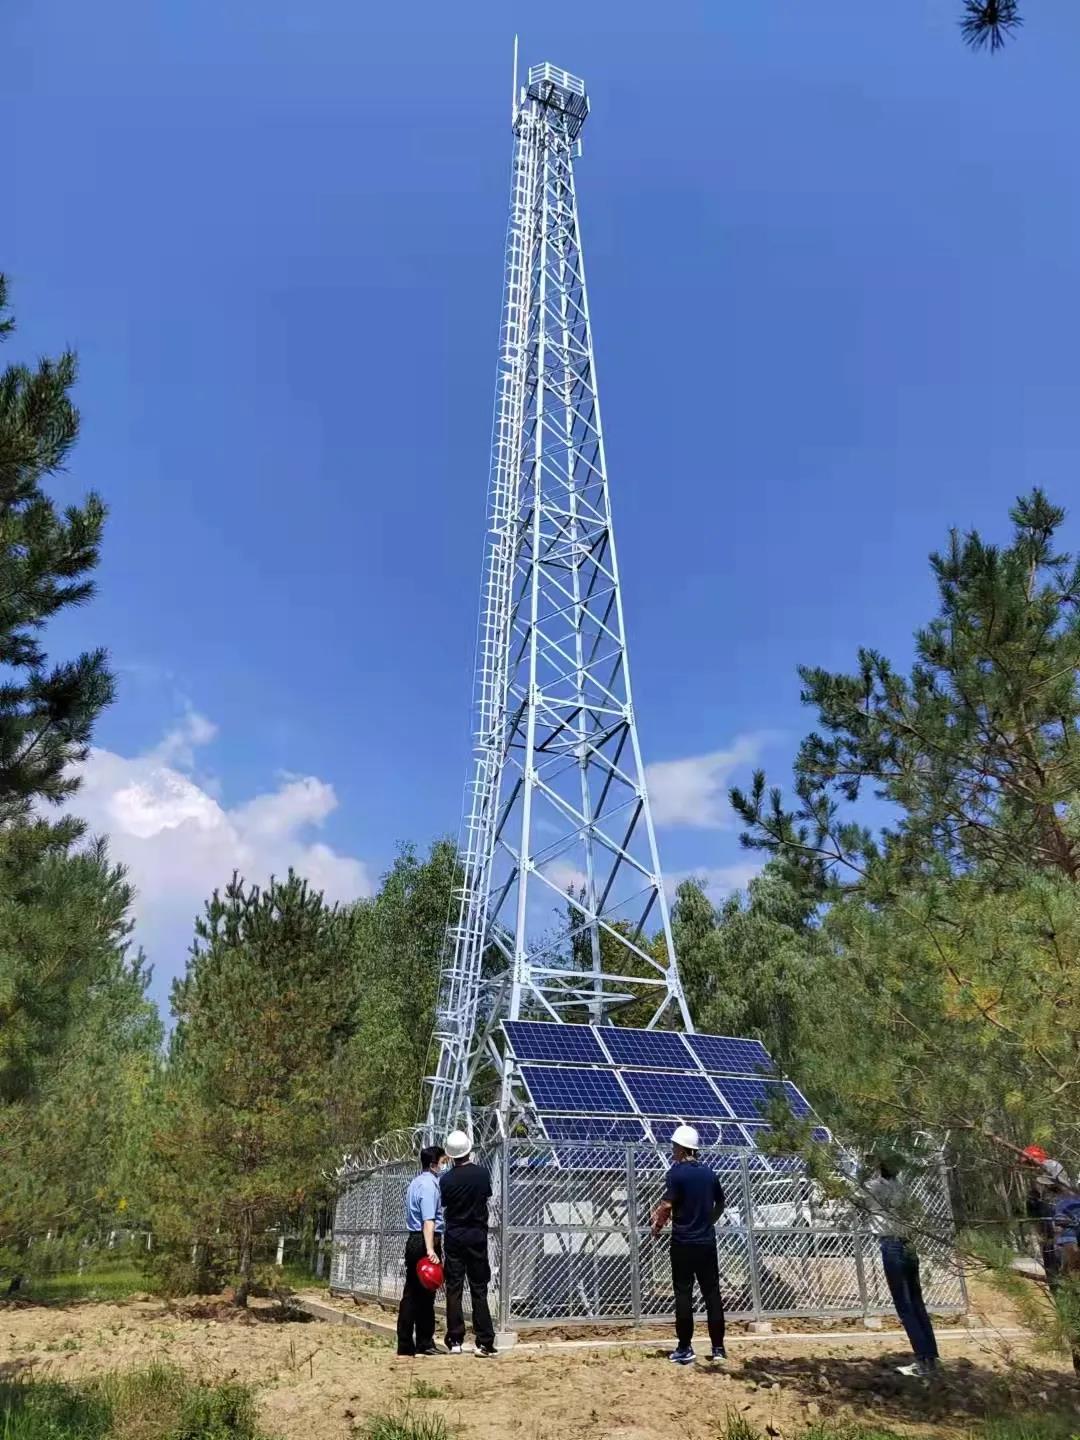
(833, 265)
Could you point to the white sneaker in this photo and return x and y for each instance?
(455, 1349)
(918, 1370)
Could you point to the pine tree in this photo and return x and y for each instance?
(77, 1042)
(46, 711)
(398, 944)
(257, 1099)
(987, 24)
(977, 751)
(754, 966)
(72, 1001)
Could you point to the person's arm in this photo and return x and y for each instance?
(718, 1200)
(661, 1216)
(662, 1213)
(429, 1205)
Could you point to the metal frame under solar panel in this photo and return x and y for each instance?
(612, 1159)
(821, 1134)
(615, 1130)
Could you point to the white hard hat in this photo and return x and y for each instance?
(458, 1145)
(685, 1136)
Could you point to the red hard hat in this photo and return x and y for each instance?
(429, 1273)
(1035, 1153)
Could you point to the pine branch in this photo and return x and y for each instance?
(987, 24)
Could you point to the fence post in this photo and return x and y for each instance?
(635, 1235)
(382, 1232)
(504, 1234)
(860, 1271)
(751, 1241)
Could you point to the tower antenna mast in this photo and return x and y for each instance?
(561, 913)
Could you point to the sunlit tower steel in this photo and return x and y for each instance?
(561, 914)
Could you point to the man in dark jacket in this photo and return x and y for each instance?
(693, 1201)
(466, 1190)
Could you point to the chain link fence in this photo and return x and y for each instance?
(570, 1240)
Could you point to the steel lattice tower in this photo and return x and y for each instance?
(562, 897)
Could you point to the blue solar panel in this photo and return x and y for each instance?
(568, 1087)
(540, 1040)
(586, 1157)
(621, 1132)
(750, 1099)
(667, 1094)
(722, 1055)
(654, 1049)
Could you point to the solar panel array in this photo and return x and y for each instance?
(606, 1084)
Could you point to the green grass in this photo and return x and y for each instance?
(405, 1427)
(296, 1274)
(1031, 1427)
(424, 1390)
(158, 1403)
(47, 1410)
(1016, 1427)
(101, 1281)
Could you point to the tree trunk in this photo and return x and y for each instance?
(244, 1269)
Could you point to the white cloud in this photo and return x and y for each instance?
(177, 746)
(179, 842)
(563, 875)
(693, 791)
(718, 881)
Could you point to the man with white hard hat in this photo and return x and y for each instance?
(466, 1190)
(693, 1201)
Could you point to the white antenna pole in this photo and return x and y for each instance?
(514, 97)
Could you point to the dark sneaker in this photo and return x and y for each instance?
(684, 1355)
(406, 1354)
(719, 1354)
(485, 1351)
(428, 1350)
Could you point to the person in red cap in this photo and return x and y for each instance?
(424, 1222)
(1051, 1204)
(1046, 1181)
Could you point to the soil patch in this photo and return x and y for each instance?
(321, 1382)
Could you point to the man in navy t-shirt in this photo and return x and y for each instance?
(693, 1201)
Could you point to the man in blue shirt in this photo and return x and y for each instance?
(693, 1201)
(424, 1222)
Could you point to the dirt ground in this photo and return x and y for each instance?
(318, 1381)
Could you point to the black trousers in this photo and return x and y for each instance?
(416, 1313)
(690, 1263)
(901, 1265)
(468, 1260)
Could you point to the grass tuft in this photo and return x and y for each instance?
(158, 1403)
(49, 1410)
(405, 1427)
(425, 1390)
